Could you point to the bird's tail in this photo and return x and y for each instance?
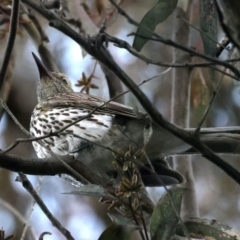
(220, 140)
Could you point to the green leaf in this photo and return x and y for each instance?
(208, 229)
(209, 29)
(208, 26)
(120, 229)
(159, 13)
(91, 190)
(116, 232)
(164, 219)
(123, 221)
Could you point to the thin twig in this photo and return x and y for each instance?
(28, 186)
(214, 94)
(16, 214)
(26, 226)
(13, 117)
(134, 217)
(40, 39)
(10, 41)
(190, 51)
(202, 32)
(123, 44)
(142, 218)
(224, 72)
(43, 234)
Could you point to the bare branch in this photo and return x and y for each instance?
(28, 186)
(114, 84)
(41, 237)
(17, 215)
(10, 41)
(189, 50)
(4, 105)
(209, 106)
(123, 44)
(40, 39)
(49, 167)
(205, 34)
(27, 223)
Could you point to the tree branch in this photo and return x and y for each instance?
(39, 38)
(49, 167)
(28, 186)
(10, 41)
(123, 44)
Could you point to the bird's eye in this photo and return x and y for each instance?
(64, 80)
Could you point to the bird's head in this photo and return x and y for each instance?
(50, 83)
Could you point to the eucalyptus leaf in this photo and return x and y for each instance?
(209, 29)
(164, 219)
(89, 190)
(116, 232)
(120, 229)
(121, 220)
(208, 229)
(118, 219)
(158, 14)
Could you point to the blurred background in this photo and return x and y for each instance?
(85, 217)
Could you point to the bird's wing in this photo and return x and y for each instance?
(81, 100)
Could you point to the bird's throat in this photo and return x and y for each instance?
(48, 88)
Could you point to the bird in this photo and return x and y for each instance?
(111, 127)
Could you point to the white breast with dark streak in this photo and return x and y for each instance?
(93, 129)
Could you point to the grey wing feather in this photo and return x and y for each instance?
(91, 102)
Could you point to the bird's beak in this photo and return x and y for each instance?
(43, 72)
